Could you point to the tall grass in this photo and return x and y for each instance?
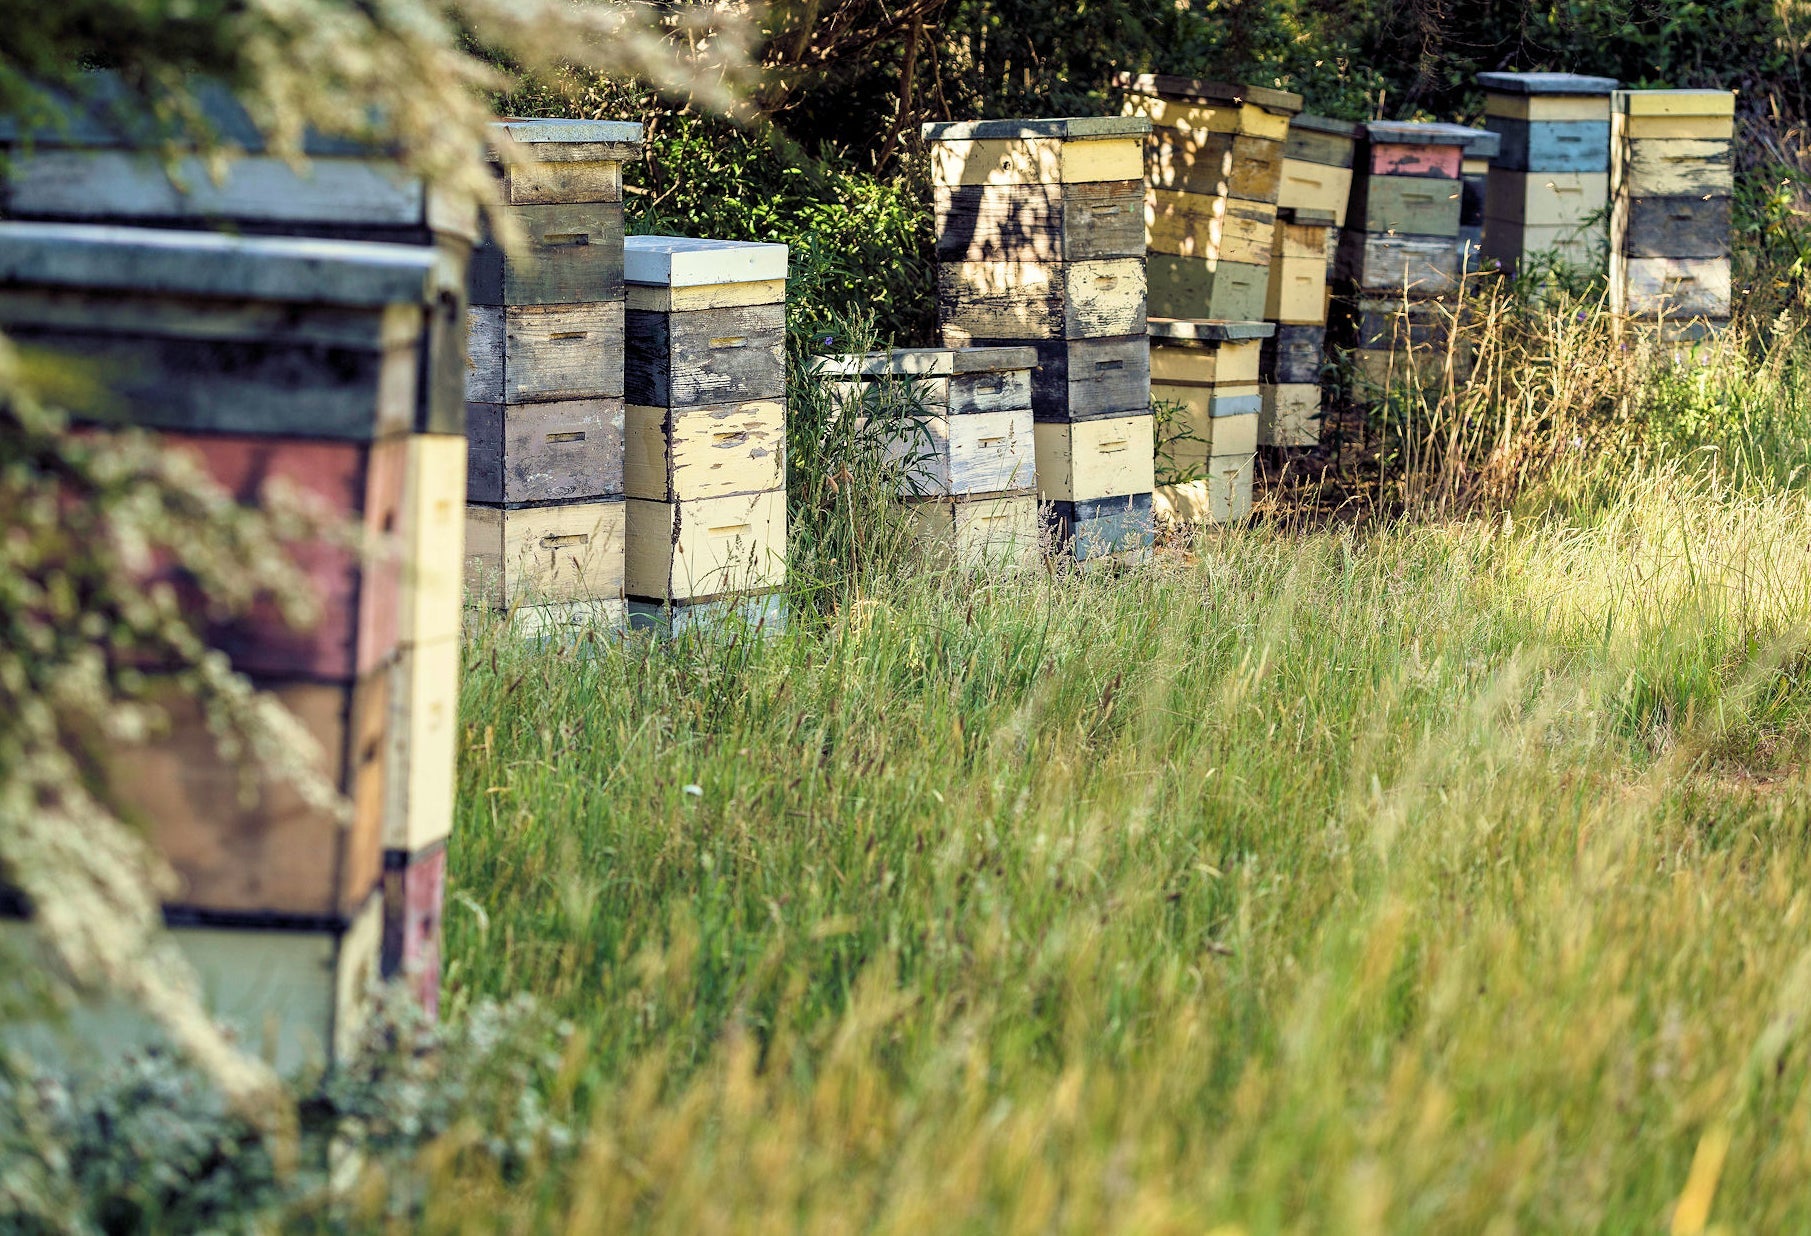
(1446, 877)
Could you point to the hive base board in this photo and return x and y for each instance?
(1101, 528)
(764, 614)
(1221, 497)
(298, 999)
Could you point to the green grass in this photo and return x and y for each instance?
(1441, 877)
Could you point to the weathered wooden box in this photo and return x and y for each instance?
(1296, 354)
(1421, 266)
(1064, 151)
(706, 548)
(1100, 528)
(357, 589)
(544, 554)
(432, 537)
(1187, 106)
(1036, 300)
(1410, 205)
(1222, 496)
(989, 532)
(1189, 287)
(1041, 223)
(248, 848)
(1084, 379)
(1317, 165)
(198, 331)
(1085, 460)
(974, 435)
(1552, 145)
(1545, 97)
(1290, 414)
(1298, 269)
(678, 454)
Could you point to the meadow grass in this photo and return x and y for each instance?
(1445, 876)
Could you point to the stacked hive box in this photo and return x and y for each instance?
(293, 362)
(707, 429)
(1213, 166)
(1040, 240)
(1297, 305)
(1317, 166)
(94, 168)
(1316, 188)
(970, 470)
(1669, 221)
(544, 395)
(1399, 253)
(1211, 369)
(1474, 187)
(1550, 180)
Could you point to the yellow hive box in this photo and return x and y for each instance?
(544, 554)
(686, 551)
(433, 536)
(1222, 497)
(1086, 460)
(1291, 415)
(1316, 186)
(1021, 152)
(1193, 225)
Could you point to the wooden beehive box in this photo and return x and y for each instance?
(1549, 181)
(1672, 185)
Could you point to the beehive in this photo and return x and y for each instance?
(967, 460)
(1211, 369)
(294, 362)
(1317, 166)
(1549, 182)
(1672, 184)
(1479, 151)
(1036, 249)
(545, 524)
(1290, 368)
(1213, 169)
(706, 430)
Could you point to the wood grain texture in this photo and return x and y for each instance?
(1039, 223)
(1290, 415)
(188, 381)
(1105, 458)
(706, 356)
(1574, 244)
(432, 534)
(541, 183)
(1183, 287)
(568, 450)
(1410, 205)
(714, 547)
(1398, 159)
(1675, 103)
(544, 555)
(1215, 364)
(1552, 145)
(573, 254)
(1315, 186)
(1297, 291)
(1678, 287)
(1678, 167)
(1297, 355)
(1218, 229)
(1214, 164)
(1550, 107)
(1032, 300)
(532, 353)
(1081, 379)
(356, 589)
(1422, 266)
(1206, 436)
(708, 452)
(1305, 145)
(414, 898)
(1704, 128)
(997, 532)
(271, 854)
(958, 456)
(421, 740)
(663, 298)
(1178, 116)
(1035, 160)
(1221, 497)
(1101, 528)
(1544, 199)
(1678, 227)
(1000, 391)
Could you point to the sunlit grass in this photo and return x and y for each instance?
(1444, 877)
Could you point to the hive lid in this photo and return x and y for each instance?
(1417, 133)
(1073, 128)
(212, 265)
(682, 261)
(1305, 217)
(1674, 102)
(96, 110)
(543, 138)
(1324, 124)
(1545, 83)
(1199, 90)
(930, 362)
(1483, 143)
(1205, 330)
